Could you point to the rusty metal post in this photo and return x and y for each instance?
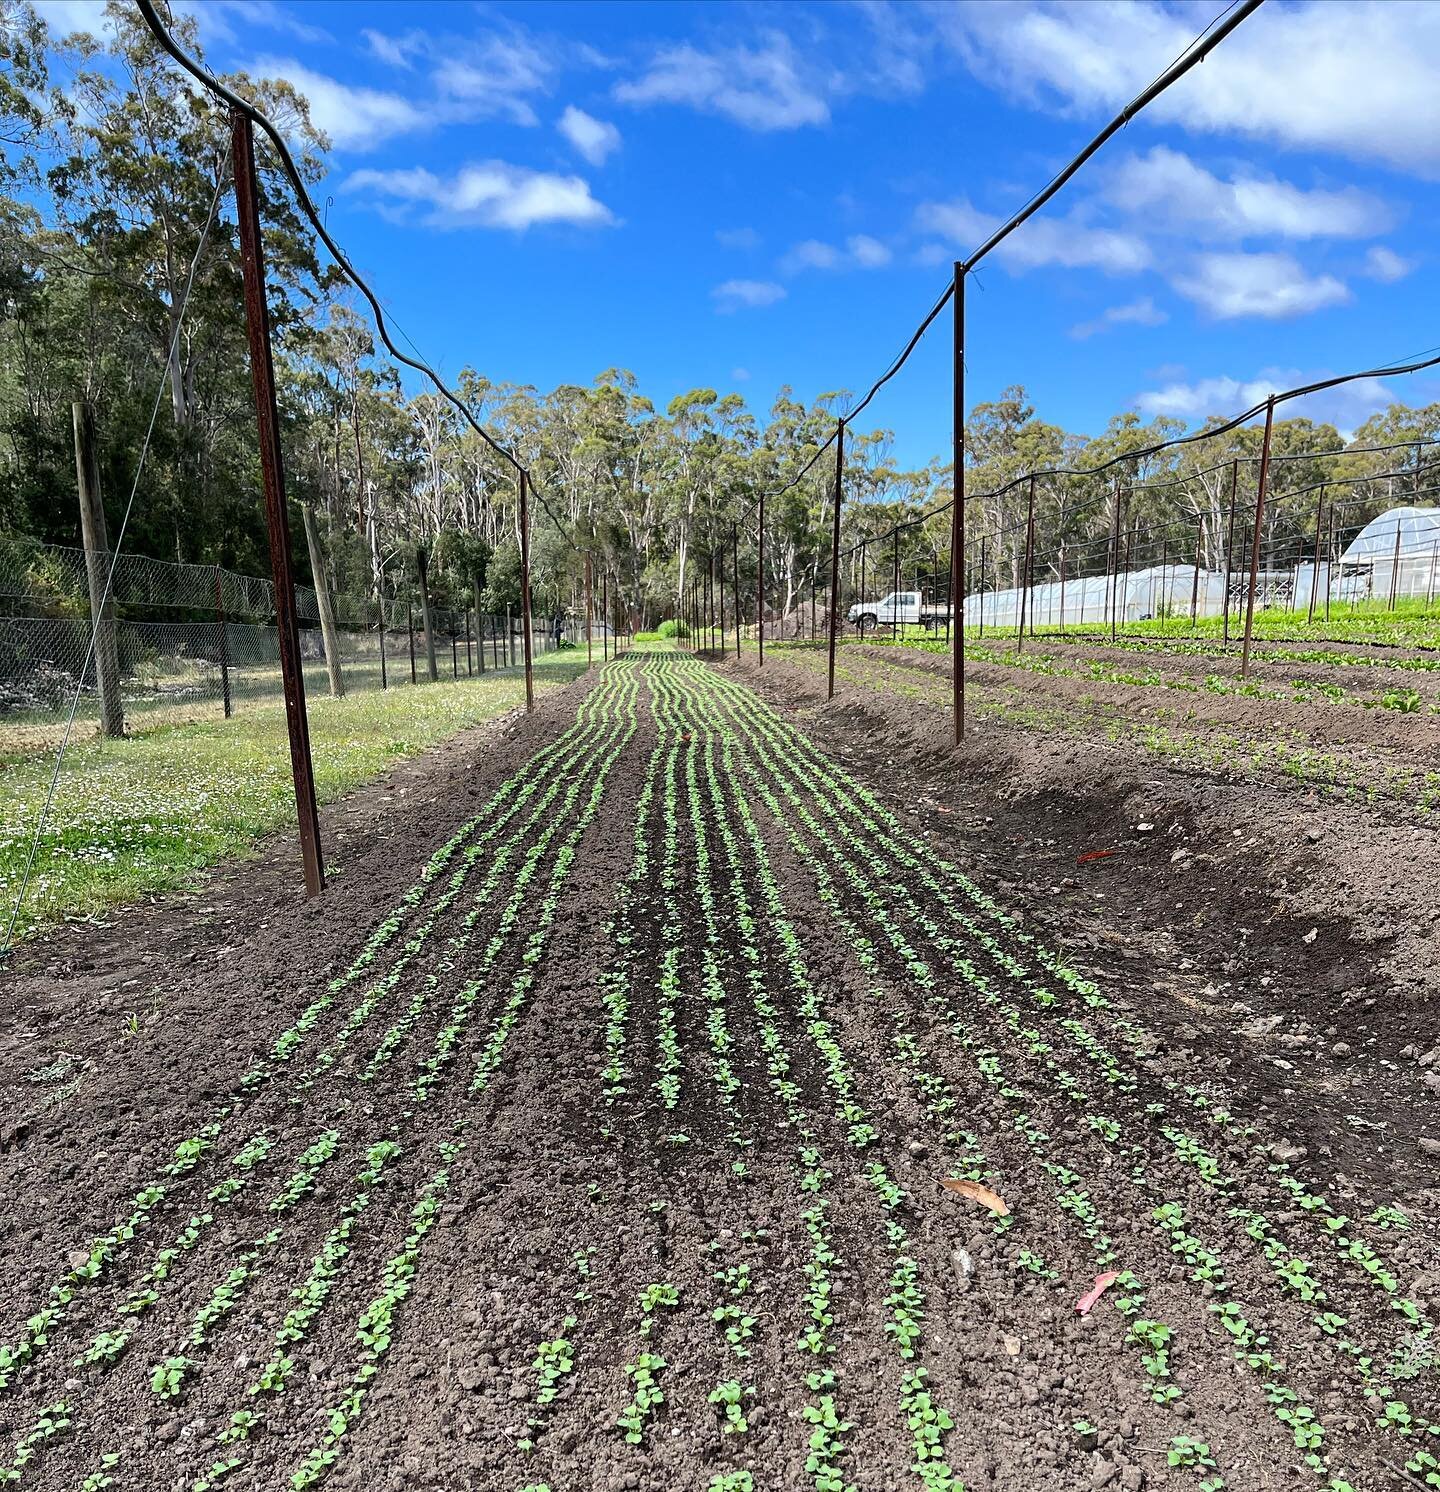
(719, 573)
(469, 656)
(410, 632)
(605, 616)
(735, 577)
(589, 612)
(1315, 567)
(957, 511)
(760, 583)
(1129, 563)
(1255, 546)
(835, 549)
(1229, 551)
(1112, 562)
(525, 640)
(1395, 568)
(224, 645)
(1195, 581)
(262, 377)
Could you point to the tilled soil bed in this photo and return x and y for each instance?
(671, 1103)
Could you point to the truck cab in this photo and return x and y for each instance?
(900, 607)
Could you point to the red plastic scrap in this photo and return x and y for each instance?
(1093, 855)
(1102, 1283)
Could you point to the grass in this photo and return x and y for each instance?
(146, 814)
(1412, 624)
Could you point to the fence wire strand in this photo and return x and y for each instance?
(110, 572)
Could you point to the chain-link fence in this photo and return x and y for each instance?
(193, 642)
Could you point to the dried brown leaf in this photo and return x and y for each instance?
(977, 1193)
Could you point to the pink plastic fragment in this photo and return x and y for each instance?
(1102, 1283)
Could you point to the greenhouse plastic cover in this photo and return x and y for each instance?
(1141, 593)
(1419, 529)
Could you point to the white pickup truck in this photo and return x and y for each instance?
(907, 608)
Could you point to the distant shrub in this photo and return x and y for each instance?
(674, 629)
(650, 637)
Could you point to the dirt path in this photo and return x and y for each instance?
(593, 1135)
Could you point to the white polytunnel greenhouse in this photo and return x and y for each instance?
(1396, 553)
(1162, 590)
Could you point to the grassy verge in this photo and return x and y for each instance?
(143, 815)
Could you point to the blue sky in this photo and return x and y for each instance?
(746, 195)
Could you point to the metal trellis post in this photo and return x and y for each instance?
(272, 470)
(525, 641)
(760, 584)
(835, 549)
(735, 578)
(1255, 546)
(589, 612)
(1229, 551)
(957, 512)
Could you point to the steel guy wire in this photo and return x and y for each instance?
(115, 550)
(1195, 53)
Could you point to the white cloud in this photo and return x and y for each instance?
(593, 138)
(810, 254)
(758, 87)
(491, 80)
(490, 194)
(1344, 406)
(67, 17)
(860, 252)
(355, 117)
(867, 252)
(1340, 75)
(738, 238)
(215, 18)
(1172, 192)
(735, 294)
(264, 13)
(1063, 241)
(1142, 312)
(1386, 265)
(1218, 396)
(740, 375)
(395, 51)
(486, 75)
(1268, 285)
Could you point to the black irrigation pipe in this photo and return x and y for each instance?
(1082, 507)
(1175, 442)
(1196, 53)
(202, 75)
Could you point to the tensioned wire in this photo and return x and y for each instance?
(115, 549)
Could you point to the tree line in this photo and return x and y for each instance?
(109, 172)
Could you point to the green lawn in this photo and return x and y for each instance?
(145, 814)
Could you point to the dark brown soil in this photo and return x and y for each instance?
(817, 1019)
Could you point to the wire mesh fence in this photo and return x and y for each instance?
(217, 652)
